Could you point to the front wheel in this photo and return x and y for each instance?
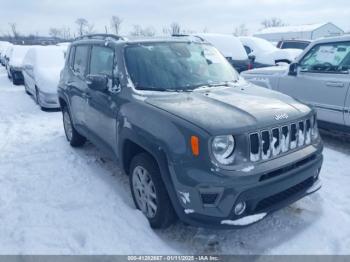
(72, 135)
(149, 192)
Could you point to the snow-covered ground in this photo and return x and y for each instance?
(58, 200)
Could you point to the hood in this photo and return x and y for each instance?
(271, 70)
(224, 110)
(16, 62)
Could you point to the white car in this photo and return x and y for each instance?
(42, 68)
(3, 46)
(14, 65)
(266, 54)
(230, 47)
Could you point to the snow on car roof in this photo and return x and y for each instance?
(288, 29)
(50, 56)
(228, 45)
(17, 55)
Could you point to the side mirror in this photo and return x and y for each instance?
(252, 57)
(293, 69)
(97, 82)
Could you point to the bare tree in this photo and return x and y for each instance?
(55, 32)
(241, 30)
(65, 32)
(272, 22)
(148, 31)
(175, 28)
(82, 24)
(90, 29)
(116, 22)
(13, 27)
(136, 31)
(139, 31)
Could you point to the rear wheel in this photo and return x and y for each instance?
(72, 135)
(149, 192)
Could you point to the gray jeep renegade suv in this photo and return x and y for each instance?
(198, 142)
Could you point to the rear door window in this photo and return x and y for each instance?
(80, 59)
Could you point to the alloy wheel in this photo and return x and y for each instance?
(144, 191)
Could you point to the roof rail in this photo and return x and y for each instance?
(185, 35)
(100, 36)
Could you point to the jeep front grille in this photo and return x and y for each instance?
(270, 143)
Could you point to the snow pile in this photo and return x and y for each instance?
(285, 142)
(228, 45)
(244, 220)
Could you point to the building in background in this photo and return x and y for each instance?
(307, 32)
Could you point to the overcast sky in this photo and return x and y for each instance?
(37, 16)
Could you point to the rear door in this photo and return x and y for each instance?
(322, 80)
(101, 110)
(76, 83)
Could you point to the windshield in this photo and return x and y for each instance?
(295, 45)
(177, 66)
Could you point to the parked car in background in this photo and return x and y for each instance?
(265, 53)
(42, 66)
(197, 141)
(15, 63)
(7, 53)
(231, 47)
(319, 77)
(293, 44)
(3, 46)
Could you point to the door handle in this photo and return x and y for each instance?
(335, 84)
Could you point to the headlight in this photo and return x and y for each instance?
(223, 148)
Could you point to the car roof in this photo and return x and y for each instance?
(343, 38)
(296, 40)
(135, 40)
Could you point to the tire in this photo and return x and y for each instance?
(37, 97)
(16, 82)
(72, 135)
(164, 215)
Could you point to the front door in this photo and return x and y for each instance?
(101, 109)
(322, 80)
(76, 83)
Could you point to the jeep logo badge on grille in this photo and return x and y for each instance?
(281, 116)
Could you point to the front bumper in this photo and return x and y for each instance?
(48, 100)
(269, 187)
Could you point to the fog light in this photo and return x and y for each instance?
(240, 208)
